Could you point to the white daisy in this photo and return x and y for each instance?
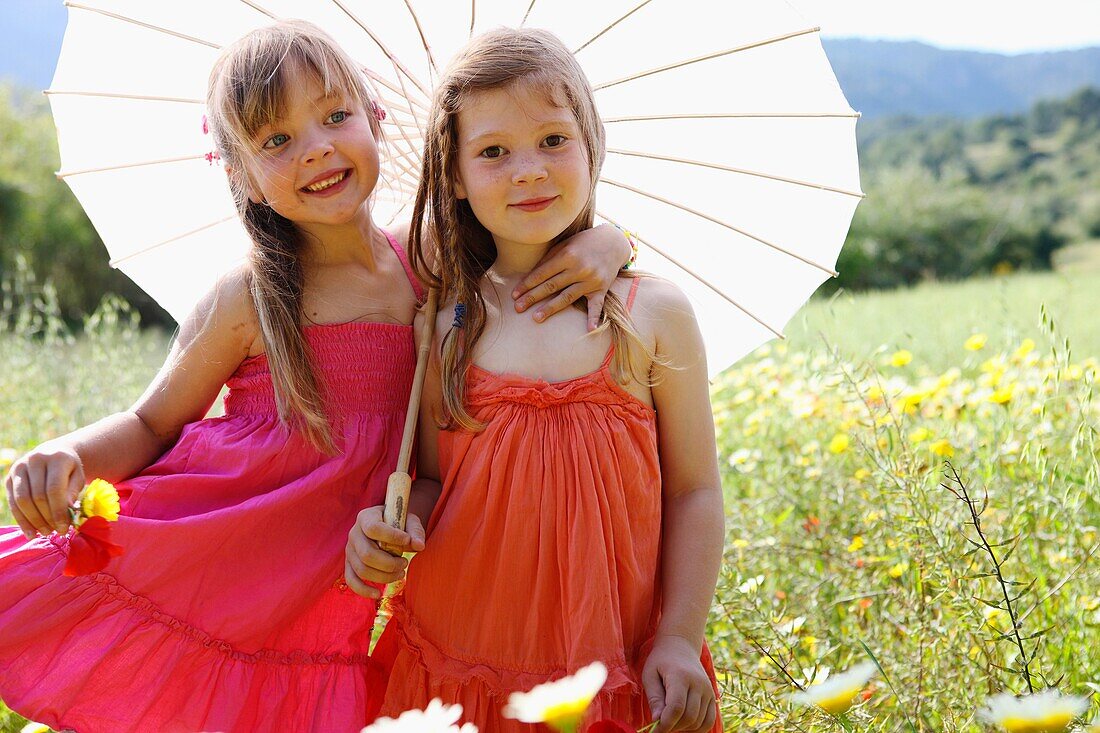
(1048, 711)
(560, 704)
(436, 718)
(837, 693)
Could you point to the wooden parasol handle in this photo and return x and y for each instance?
(400, 483)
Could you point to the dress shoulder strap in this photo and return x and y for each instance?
(418, 289)
(633, 292)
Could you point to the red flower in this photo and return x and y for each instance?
(610, 726)
(90, 549)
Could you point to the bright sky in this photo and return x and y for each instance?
(1006, 26)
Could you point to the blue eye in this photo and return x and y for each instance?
(492, 152)
(339, 116)
(275, 141)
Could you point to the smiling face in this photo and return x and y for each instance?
(317, 163)
(521, 164)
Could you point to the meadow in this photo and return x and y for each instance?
(894, 470)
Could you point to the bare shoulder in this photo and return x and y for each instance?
(660, 299)
(400, 232)
(226, 314)
(664, 310)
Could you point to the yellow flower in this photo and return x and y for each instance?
(874, 393)
(1093, 727)
(1025, 348)
(1044, 712)
(7, 457)
(897, 570)
(1002, 396)
(860, 474)
(839, 443)
(99, 499)
(1073, 372)
(909, 402)
(975, 342)
(919, 435)
(901, 358)
(856, 544)
(942, 448)
(837, 694)
(560, 704)
(436, 718)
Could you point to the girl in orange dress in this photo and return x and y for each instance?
(567, 480)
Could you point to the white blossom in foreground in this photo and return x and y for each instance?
(1048, 711)
(560, 704)
(837, 693)
(436, 718)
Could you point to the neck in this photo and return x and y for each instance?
(516, 260)
(342, 244)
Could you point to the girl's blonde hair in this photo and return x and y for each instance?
(441, 221)
(248, 89)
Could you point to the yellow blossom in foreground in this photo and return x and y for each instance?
(99, 499)
(1025, 348)
(35, 728)
(901, 358)
(560, 704)
(7, 457)
(856, 544)
(839, 443)
(919, 435)
(837, 693)
(860, 474)
(1002, 396)
(1044, 712)
(897, 570)
(942, 448)
(975, 342)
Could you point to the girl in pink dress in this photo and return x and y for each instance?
(568, 480)
(227, 610)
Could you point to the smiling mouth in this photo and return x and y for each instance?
(327, 183)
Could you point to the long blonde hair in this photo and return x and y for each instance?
(249, 88)
(465, 249)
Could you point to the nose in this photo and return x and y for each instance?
(318, 147)
(529, 169)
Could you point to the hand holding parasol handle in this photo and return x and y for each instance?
(400, 483)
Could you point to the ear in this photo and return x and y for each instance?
(460, 190)
(253, 192)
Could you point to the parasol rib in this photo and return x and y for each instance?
(378, 42)
(150, 26)
(258, 9)
(727, 225)
(423, 38)
(123, 166)
(742, 171)
(527, 14)
(707, 57)
(117, 261)
(114, 95)
(605, 30)
(696, 276)
(730, 115)
(473, 15)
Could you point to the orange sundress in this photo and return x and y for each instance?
(543, 553)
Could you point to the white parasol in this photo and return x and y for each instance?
(731, 148)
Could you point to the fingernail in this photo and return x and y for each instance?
(521, 306)
(539, 315)
(29, 535)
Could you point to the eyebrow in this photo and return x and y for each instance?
(563, 121)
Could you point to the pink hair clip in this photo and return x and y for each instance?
(379, 111)
(211, 157)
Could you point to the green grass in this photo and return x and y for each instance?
(842, 542)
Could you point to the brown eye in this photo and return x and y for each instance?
(555, 141)
(492, 152)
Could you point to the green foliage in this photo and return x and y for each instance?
(42, 221)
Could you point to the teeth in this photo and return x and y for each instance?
(322, 185)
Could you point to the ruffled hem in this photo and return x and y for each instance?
(87, 654)
(414, 672)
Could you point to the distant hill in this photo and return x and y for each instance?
(887, 78)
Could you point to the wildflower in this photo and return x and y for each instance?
(1025, 348)
(7, 457)
(860, 474)
(942, 448)
(436, 718)
(1002, 396)
(33, 727)
(751, 585)
(560, 704)
(901, 358)
(975, 342)
(1044, 712)
(856, 544)
(100, 499)
(898, 569)
(839, 443)
(919, 435)
(1093, 727)
(836, 695)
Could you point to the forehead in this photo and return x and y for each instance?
(515, 107)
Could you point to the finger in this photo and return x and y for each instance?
(358, 586)
(417, 535)
(380, 566)
(694, 710)
(595, 310)
(22, 486)
(59, 476)
(565, 299)
(384, 534)
(710, 717)
(533, 280)
(542, 292)
(369, 574)
(17, 515)
(654, 691)
(675, 702)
